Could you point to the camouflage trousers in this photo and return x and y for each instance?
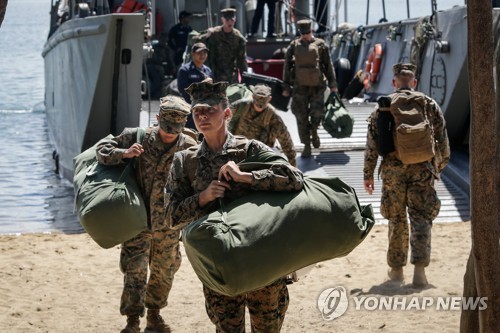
(160, 251)
(408, 186)
(267, 307)
(308, 106)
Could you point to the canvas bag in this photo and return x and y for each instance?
(413, 136)
(263, 236)
(338, 122)
(108, 199)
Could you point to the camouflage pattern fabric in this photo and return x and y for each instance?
(173, 114)
(157, 247)
(308, 106)
(408, 186)
(191, 173)
(267, 307)
(253, 125)
(227, 54)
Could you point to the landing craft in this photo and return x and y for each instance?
(96, 53)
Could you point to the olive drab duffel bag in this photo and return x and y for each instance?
(263, 236)
(108, 198)
(338, 122)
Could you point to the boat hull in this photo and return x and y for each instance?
(92, 82)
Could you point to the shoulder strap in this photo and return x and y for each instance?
(142, 136)
(267, 117)
(240, 111)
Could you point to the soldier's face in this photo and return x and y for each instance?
(228, 22)
(167, 137)
(210, 119)
(200, 57)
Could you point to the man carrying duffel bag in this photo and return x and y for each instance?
(158, 246)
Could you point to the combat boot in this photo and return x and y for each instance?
(155, 323)
(315, 138)
(306, 153)
(396, 274)
(133, 323)
(419, 278)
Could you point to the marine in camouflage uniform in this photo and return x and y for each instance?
(408, 186)
(227, 48)
(157, 247)
(257, 119)
(307, 65)
(200, 175)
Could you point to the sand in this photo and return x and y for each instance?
(67, 283)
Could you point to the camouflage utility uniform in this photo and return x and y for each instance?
(157, 247)
(192, 171)
(227, 54)
(265, 126)
(408, 185)
(307, 64)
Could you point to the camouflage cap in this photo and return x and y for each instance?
(173, 114)
(304, 26)
(228, 13)
(261, 93)
(198, 47)
(404, 69)
(206, 93)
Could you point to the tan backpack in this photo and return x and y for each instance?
(413, 134)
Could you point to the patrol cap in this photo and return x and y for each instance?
(261, 93)
(404, 69)
(184, 14)
(173, 114)
(198, 47)
(206, 93)
(304, 26)
(228, 13)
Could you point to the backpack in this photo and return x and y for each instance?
(413, 133)
(385, 127)
(238, 91)
(338, 122)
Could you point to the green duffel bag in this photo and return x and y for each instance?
(237, 92)
(338, 122)
(108, 198)
(263, 236)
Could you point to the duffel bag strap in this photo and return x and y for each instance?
(141, 132)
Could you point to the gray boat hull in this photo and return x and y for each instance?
(92, 82)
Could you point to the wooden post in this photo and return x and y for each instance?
(483, 162)
(3, 9)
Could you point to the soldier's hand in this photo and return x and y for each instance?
(285, 93)
(369, 186)
(231, 171)
(334, 90)
(214, 190)
(134, 150)
(210, 31)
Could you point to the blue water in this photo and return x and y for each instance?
(32, 197)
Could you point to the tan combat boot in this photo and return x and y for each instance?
(306, 153)
(419, 278)
(315, 138)
(155, 323)
(133, 323)
(396, 274)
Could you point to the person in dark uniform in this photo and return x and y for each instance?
(259, 11)
(178, 35)
(193, 71)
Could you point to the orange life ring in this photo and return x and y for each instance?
(373, 64)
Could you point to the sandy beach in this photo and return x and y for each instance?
(67, 283)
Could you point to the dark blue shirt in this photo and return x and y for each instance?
(188, 73)
(178, 35)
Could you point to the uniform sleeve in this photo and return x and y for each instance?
(371, 155)
(182, 83)
(171, 37)
(284, 138)
(110, 152)
(181, 204)
(241, 58)
(280, 177)
(327, 67)
(440, 136)
(287, 68)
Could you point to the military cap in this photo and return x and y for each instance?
(184, 14)
(197, 47)
(405, 69)
(228, 13)
(261, 93)
(206, 93)
(173, 114)
(304, 26)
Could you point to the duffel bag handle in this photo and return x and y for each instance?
(333, 98)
